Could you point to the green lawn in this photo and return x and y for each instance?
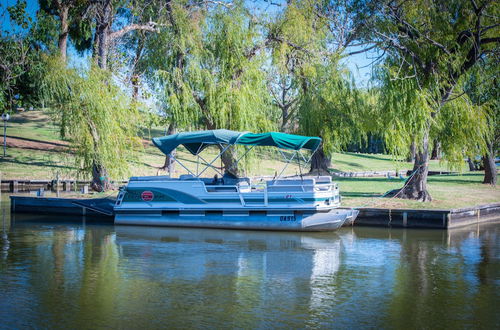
(447, 190)
(357, 162)
(33, 125)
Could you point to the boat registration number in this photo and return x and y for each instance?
(287, 218)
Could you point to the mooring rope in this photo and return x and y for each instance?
(407, 181)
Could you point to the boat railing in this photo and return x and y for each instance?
(287, 188)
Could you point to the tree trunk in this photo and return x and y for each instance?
(102, 33)
(320, 162)
(229, 158)
(490, 169)
(472, 166)
(100, 180)
(436, 150)
(411, 155)
(63, 36)
(416, 187)
(284, 119)
(169, 164)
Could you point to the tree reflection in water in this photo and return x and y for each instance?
(81, 275)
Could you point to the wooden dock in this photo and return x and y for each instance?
(441, 219)
(95, 207)
(406, 218)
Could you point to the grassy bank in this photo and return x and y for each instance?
(36, 152)
(447, 191)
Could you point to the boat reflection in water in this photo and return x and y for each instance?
(79, 275)
(199, 252)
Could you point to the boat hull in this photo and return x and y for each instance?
(294, 221)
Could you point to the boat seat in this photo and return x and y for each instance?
(235, 181)
(323, 179)
(244, 186)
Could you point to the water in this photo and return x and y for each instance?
(72, 274)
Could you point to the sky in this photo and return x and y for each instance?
(360, 64)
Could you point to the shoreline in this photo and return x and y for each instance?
(374, 217)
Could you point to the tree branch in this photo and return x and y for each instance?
(361, 51)
(150, 26)
(490, 40)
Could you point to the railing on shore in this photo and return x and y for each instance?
(15, 186)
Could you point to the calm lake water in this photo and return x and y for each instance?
(72, 274)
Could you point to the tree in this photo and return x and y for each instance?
(20, 52)
(102, 130)
(309, 39)
(60, 9)
(429, 48)
(483, 89)
(105, 14)
(211, 71)
(332, 109)
(15, 61)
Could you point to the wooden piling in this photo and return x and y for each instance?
(14, 186)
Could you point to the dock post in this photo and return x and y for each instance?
(405, 219)
(14, 186)
(67, 185)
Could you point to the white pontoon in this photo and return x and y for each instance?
(300, 203)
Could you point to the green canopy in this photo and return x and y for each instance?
(195, 142)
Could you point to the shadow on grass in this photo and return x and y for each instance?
(454, 181)
(30, 119)
(368, 156)
(360, 194)
(38, 141)
(43, 164)
(355, 165)
(365, 179)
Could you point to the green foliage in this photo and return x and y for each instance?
(19, 15)
(482, 87)
(406, 111)
(94, 114)
(332, 108)
(209, 78)
(403, 111)
(310, 76)
(431, 48)
(19, 66)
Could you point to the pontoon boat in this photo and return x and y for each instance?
(299, 203)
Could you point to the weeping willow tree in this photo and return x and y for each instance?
(333, 109)
(311, 86)
(408, 114)
(430, 48)
(483, 88)
(95, 116)
(211, 72)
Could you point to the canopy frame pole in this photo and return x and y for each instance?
(208, 166)
(187, 169)
(303, 158)
(298, 161)
(213, 160)
(241, 157)
(197, 164)
(312, 154)
(288, 163)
